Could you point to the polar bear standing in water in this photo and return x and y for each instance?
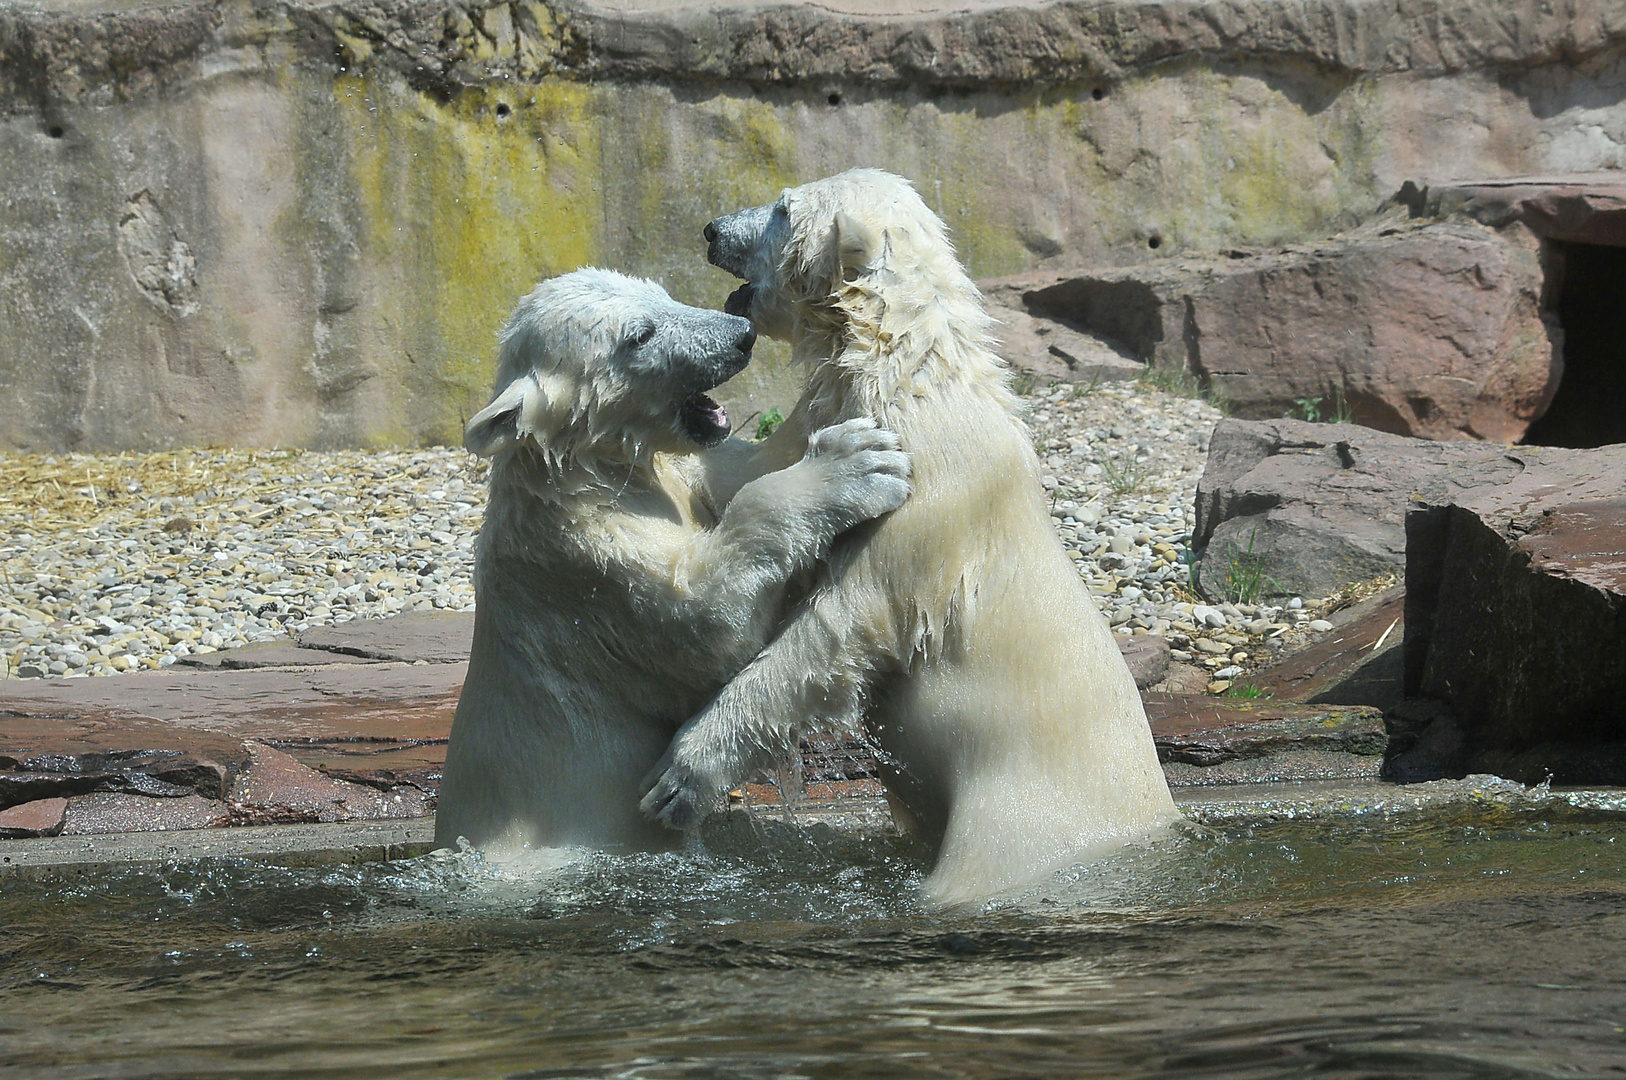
(626, 569)
(1011, 732)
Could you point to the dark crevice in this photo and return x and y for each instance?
(1589, 408)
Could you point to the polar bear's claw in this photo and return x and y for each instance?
(677, 800)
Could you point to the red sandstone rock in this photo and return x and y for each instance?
(276, 788)
(43, 817)
(1432, 330)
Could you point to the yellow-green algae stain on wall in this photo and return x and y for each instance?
(470, 203)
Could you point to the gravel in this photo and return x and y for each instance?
(120, 562)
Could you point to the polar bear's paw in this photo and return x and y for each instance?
(679, 797)
(862, 468)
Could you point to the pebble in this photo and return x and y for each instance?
(117, 563)
(123, 562)
(1320, 626)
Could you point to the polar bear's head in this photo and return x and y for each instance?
(862, 227)
(597, 367)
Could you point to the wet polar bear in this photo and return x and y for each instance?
(1009, 726)
(615, 592)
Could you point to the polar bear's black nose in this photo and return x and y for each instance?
(746, 340)
(710, 232)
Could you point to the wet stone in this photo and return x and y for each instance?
(42, 817)
(110, 812)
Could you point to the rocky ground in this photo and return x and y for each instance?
(117, 562)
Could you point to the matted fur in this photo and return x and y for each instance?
(1010, 728)
(622, 573)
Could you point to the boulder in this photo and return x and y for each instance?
(1305, 509)
(1147, 656)
(1426, 329)
(1516, 617)
(1053, 351)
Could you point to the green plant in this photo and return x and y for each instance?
(1247, 690)
(1309, 408)
(1024, 383)
(1245, 577)
(1125, 477)
(769, 423)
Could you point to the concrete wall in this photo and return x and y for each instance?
(260, 223)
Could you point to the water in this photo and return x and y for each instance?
(1478, 938)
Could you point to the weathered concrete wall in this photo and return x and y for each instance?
(257, 222)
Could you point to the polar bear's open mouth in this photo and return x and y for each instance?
(705, 421)
(739, 301)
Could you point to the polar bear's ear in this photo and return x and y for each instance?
(856, 245)
(501, 424)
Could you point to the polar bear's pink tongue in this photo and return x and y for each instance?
(706, 420)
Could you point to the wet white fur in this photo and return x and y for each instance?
(614, 594)
(957, 625)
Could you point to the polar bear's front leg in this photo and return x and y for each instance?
(812, 671)
(782, 523)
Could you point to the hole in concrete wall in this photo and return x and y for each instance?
(503, 111)
(834, 99)
(1590, 406)
(1127, 313)
(1154, 241)
(1098, 93)
(55, 131)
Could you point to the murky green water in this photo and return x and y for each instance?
(1478, 939)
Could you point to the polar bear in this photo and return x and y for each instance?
(615, 592)
(1008, 725)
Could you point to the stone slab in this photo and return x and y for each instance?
(280, 845)
(433, 637)
(277, 788)
(269, 655)
(1582, 208)
(42, 817)
(1207, 731)
(1358, 662)
(1286, 766)
(378, 725)
(111, 812)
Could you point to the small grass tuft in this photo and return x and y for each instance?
(1123, 477)
(1245, 578)
(1183, 383)
(1252, 691)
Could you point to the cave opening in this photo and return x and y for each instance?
(1589, 408)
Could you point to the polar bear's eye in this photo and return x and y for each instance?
(643, 336)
